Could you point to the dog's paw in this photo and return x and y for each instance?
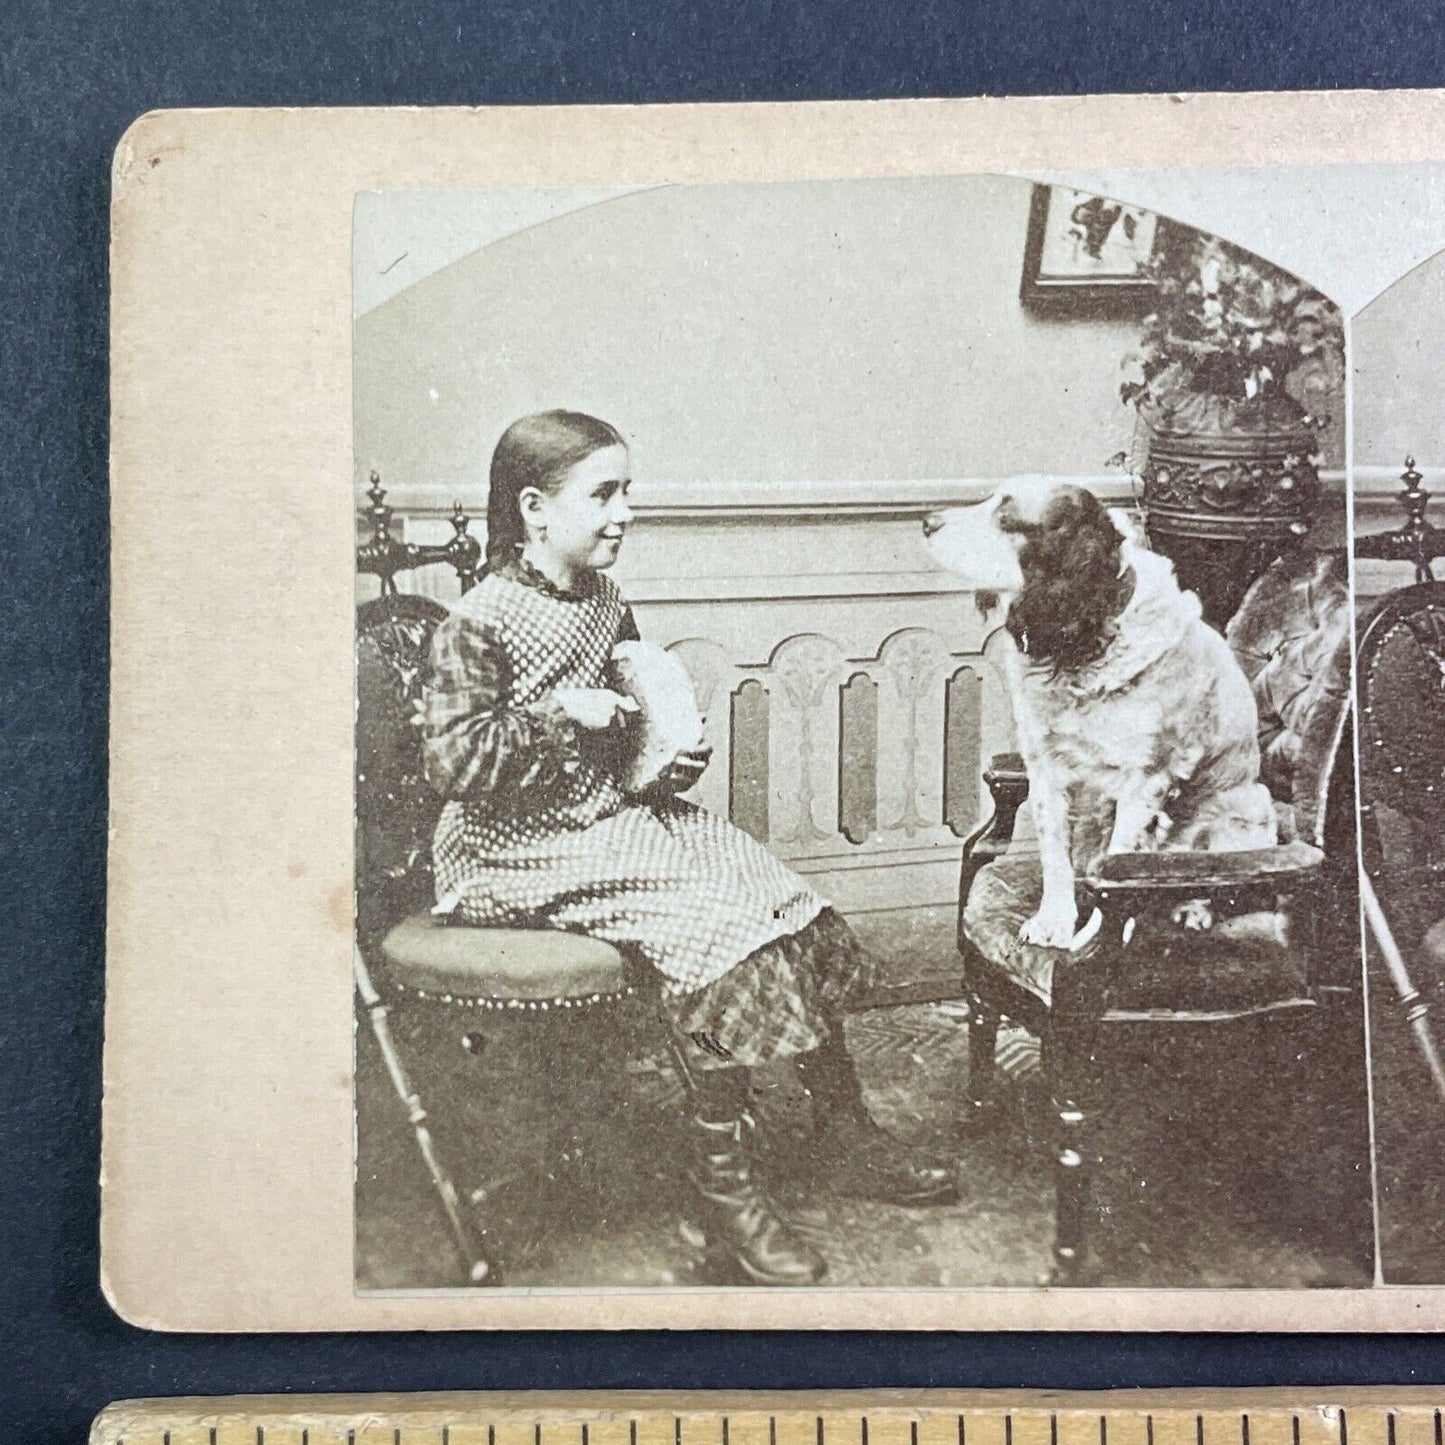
(1052, 926)
(1194, 916)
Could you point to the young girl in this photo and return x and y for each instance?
(520, 736)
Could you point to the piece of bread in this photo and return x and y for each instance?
(668, 722)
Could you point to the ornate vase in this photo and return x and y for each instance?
(1228, 487)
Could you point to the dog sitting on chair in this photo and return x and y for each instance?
(1136, 724)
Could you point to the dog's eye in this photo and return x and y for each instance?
(1007, 519)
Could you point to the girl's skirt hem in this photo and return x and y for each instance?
(780, 1001)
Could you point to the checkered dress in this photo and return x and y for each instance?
(538, 832)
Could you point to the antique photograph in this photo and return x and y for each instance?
(1399, 460)
(855, 783)
(1085, 250)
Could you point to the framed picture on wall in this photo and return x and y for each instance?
(1087, 254)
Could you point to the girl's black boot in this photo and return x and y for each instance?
(745, 1240)
(853, 1153)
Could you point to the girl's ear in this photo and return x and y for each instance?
(531, 503)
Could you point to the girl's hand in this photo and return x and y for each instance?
(594, 708)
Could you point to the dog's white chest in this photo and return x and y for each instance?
(1099, 736)
(1094, 738)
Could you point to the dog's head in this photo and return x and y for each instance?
(1054, 552)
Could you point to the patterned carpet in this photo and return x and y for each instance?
(1192, 1191)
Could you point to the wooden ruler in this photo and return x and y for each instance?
(1403, 1416)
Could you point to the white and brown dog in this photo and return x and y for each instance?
(1136, 723)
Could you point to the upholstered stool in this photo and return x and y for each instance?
(514, 1038)
(533, 970)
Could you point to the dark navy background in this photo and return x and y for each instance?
(72, 75)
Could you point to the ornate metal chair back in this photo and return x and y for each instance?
(1401, 682)
(396, 809)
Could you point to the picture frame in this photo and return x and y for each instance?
(1086, 254)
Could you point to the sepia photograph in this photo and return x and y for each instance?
(855, 774)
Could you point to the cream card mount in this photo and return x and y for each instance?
(811, 326)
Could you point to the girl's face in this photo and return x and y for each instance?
(581, 524)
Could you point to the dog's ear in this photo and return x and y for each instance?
(1071, 558)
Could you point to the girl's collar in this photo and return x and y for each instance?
(520, 570)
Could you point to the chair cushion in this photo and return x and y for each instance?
(1242, 963)
(428, 953)
(1004, 894)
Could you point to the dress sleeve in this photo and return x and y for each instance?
(474, 745)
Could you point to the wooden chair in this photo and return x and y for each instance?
(505, 1024)
(1400, 678)
(1263, 954)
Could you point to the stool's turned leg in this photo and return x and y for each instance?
(479, 1270)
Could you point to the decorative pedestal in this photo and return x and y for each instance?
(1226, 491)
